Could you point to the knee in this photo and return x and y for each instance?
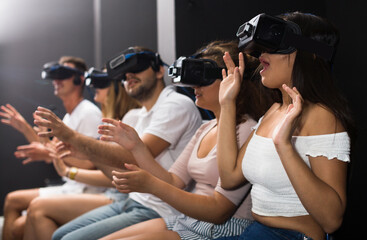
(13, 201)
(35, 209)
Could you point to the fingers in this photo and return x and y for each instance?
(28, 160)
(6, 121)
(12, 108)
(5, 115)
(131, 167)
(24, 147)
(60, 146)
(106, 138)
(121, 188)
(43, 115)
(119, 174)
(45, 134)
(20, 154)
(121, 184)
(65, 154)
(53, 156)
(42, 109)
(110, 121)
(119, 181)
(7, 110)
(35, 116)
(292, 92)
(224, 74)
(241, 63)
(43, 123)
(237, 74)
(106, 127)
(124, 126)
(229, 62)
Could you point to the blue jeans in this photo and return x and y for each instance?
(105, 220)
(257, 231)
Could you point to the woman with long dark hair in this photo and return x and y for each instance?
(297, 155)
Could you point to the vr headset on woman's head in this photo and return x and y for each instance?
(191, 72)
(54, 70)
(265, 33)
(132, 61)
(97, 79)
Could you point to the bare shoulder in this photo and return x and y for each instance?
(318, 120)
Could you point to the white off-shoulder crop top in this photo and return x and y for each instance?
(272, 192)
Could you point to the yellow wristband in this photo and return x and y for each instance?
(72, 172)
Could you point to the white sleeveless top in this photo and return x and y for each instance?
(272, 192)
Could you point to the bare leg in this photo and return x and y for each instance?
(46, 214)
(15, 203)
(151, 229)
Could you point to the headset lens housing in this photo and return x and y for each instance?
(194, 72)
(97, 79)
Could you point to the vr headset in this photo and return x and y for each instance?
(191, 72)
(54, 70)
(97, 79)
(132, 61)
(270, 34)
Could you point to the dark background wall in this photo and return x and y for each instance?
(37, 31)
(201, 21)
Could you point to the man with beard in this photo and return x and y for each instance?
(165, 123)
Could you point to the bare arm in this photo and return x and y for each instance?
(84, 163)
(229, 159)
(105, 155)
(321, 189)
(100, 153)
(92, 177)
(215, 209)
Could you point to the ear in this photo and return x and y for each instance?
(82, 80)
(160, 73)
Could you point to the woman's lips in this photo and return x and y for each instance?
(264, 63)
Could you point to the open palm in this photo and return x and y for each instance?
(230, 86)
(284, 130)
(116, 131)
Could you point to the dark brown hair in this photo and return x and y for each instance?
(117, 105)
(312, 74)
(249, 101)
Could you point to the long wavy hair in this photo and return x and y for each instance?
(312, 75)
(117, 105)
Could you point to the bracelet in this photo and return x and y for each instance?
(72, 173)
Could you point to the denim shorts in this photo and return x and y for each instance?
(114, 195)
(258, 231)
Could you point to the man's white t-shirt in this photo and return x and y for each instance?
(84, 119)
(175, 119)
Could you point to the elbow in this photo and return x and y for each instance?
(225, 185)
(220, 219)
(333, 220)
(228, 185)
(332, 224)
